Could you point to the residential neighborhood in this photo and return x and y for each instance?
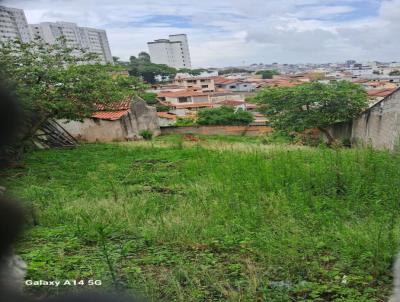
(233, 151)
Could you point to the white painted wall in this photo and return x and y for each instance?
(173, 52)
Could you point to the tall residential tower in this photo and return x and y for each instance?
(91, 39)
(13, 25)
(173, 52)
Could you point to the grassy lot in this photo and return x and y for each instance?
(200, 222)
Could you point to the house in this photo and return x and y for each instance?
(234, 85)
(183, 96)
(205, 84)
(122, 121)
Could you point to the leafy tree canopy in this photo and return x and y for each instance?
(267, 74)
(194, 72)
(233, 70)
(224, 116)
(395, 73)
(141, 66)
(312, 105)
(58, 81)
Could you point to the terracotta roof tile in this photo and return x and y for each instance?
(110, 115)
(380, 92)
(122, 105)
(166, 115)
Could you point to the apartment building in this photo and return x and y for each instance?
(91, 39)
(205, 84)
(13, 25)
(173, 52)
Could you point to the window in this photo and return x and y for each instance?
(204, 86)
(183, 100)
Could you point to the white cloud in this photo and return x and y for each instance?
(228, 32)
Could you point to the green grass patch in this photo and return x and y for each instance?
(179, 223)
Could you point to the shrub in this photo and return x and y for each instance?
(149, 97)
(180, 121)
(146, 134)
(224, 116)
(163, 108)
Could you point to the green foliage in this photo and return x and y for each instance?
(144, 56)
(185, 121)
(233, 70)
(224, 116)
(268, 74)
(234, 222)
(163, 108)
(193, 72)
(277, 137)
(146, 134)
(312, 105)
(148, 71)
(395, 73)
(149, 97)
(118, 62)
(56, 81)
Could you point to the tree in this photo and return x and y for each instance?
(312, 105)
(224, 116)
(144, 56)
(142, 67)
(149, 97)
(56, 81)
(233, 70)
(267, 74)
(394, 73)
(117, 62)
(193, 72)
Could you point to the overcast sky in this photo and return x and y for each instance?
(233, 32)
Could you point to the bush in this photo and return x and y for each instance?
(149, 97)
(180, 121)
(267, 74)
(277, 137)
(146, 134)
(163, 108)
(224, 116)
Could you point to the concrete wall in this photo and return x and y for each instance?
(92, 130)
(139, 117)
(218, 130)
(380, 125)
(341, 131)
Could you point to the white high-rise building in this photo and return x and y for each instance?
(13, 25)
(173, 52)
(91, 39)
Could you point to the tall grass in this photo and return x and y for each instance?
(193, 224)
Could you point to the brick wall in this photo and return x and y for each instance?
(218, 130)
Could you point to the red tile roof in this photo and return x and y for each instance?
(166, 115)
(122, 105)
(380, 92)
(224, 81)
(231, 102)
(110, 115)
